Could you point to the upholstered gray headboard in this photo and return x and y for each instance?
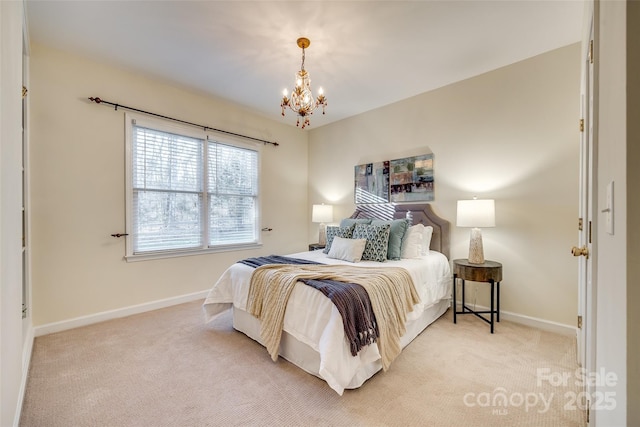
(417, 214)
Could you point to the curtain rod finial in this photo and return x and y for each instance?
(96, 99)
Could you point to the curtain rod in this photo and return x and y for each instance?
(97, 100)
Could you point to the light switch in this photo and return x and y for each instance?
(608, 218)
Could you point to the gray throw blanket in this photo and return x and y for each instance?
(351, 300)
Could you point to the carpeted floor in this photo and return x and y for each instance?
(167, 368)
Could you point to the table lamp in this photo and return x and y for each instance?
(476, 213)
(322, 214)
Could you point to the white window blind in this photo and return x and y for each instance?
(167, 191)
(233, 192)
(189, 193)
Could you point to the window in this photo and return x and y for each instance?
(188, 192)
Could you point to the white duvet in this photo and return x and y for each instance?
(313, 319)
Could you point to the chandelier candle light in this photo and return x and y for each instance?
(301, 101)
(322, 214)
(476, 213)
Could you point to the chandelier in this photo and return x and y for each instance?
(301, 101)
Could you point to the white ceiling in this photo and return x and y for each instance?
(365, 54)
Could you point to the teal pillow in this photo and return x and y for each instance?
(397, 231)
(333, 231)
(347, 222)
(377, 241)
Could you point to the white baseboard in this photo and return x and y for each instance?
(64, 325)
(546, 325)
(534, 322)
(77, 322)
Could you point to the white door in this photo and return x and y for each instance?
(586, 225)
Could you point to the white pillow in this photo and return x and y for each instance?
(347, 249)
(412, 242)
(426, 239)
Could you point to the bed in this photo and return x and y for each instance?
(313, 336)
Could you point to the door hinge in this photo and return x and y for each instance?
(591, 51)
(579, 322)
(589, 231)
(588, 407)
(579, 224)
(581, 125)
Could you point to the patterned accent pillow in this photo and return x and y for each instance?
(377, 241)
(396, 235)
(333, 231)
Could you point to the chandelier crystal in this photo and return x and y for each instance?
(302, 101)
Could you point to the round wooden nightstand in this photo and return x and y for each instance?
(490, 272)
(315, 246)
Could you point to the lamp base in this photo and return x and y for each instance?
(322, 234)
(476, 252)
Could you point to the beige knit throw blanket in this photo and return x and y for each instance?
(390, 289)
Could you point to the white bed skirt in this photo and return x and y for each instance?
(305, 357)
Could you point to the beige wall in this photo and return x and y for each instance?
(77, 188)
(511, 135)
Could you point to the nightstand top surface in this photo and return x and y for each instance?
(485, 272)
(487, 263)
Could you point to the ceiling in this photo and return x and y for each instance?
(365, 54)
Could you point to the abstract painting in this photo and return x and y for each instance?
(411, 179)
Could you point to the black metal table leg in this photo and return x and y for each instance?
(492, 301)
(463, 298)
(498, 305)
(455, 303)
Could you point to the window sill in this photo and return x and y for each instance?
(189, 252)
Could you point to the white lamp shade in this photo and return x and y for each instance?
(476, 213)
(322, 213)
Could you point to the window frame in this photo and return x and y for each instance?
(208, 136)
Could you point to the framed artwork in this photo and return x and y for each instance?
(411, 179)
(372, 183)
